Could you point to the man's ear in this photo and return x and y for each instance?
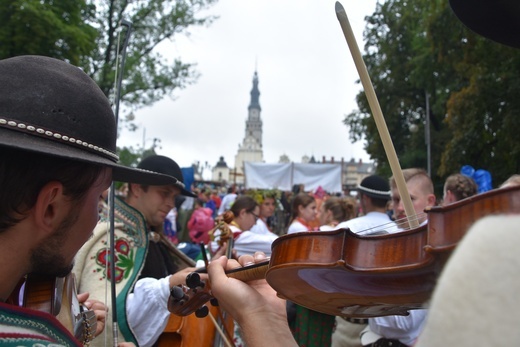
(135, 188)
(51, 206)
(432, 200)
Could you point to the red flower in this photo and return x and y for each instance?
(103, 257)
(122, 246)
(119, 274)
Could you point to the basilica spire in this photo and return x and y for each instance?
(255, 94)
(250, 150)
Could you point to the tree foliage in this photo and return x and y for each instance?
(414, 47)
(148, 75)
(52, 28)
(88, 33)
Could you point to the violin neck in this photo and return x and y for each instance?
(250, 273)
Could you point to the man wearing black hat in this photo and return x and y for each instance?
(57, 156)
(403, 330)
(146, 262)
(373, 195)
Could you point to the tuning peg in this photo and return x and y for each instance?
(213, 301)
(193, 280)
(177, 293)
(202, 312)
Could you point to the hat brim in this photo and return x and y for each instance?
(186, 192)
(497, 20)
(22, 141)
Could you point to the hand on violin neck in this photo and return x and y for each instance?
(258, 257)
(243, 299)
(254, 305)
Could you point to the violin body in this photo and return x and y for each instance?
(448, 224)
(343, 274)
(190, 330)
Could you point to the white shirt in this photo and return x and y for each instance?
(248, 242)
(296, 227)
(226, 202)
(147, 309)
(370, 223)
(260, 227)
(403, 328)
(328, 227)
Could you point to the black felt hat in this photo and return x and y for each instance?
(497, 20)
(166, 166)
(375, 187)
(52, 107)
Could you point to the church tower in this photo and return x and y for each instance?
(251, 148)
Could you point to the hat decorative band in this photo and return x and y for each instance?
(374, 191)
(39, 131)
(180, 184)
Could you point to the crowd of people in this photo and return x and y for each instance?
(58, 158)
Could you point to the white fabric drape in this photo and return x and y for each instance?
(283, 176)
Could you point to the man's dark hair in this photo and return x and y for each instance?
(24, 173)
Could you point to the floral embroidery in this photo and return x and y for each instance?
(122, 246)
(123, 258)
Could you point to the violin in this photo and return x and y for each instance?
(345, 274)
(202, 329)
(57, 296)
(190, 330)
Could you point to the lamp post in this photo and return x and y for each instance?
(427, 134)
(155, 144)
(414, 128)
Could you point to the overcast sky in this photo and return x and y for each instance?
(306, 80)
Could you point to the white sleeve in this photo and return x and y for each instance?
(147, 309)
(403, 328)
(222, 207)
(249, 243)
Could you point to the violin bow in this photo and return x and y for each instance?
(119, 81)
(377, 114)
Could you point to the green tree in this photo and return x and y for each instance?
(414, 47)
(88, 33)
(148, 75)
(54, 28)
(399, 62)
(484, 114)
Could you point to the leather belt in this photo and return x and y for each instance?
(356, 320)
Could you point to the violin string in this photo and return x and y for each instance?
(392, 226)
(403, 223)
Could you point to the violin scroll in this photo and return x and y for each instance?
(184, 300)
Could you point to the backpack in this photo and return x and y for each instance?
(199, 224)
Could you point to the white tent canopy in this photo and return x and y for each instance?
(284, 176)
